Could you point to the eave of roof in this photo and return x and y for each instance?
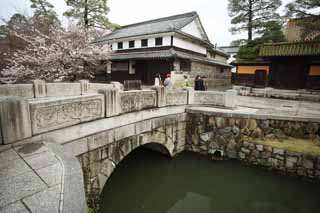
(290, 49)
(163, 54)
(257, 61)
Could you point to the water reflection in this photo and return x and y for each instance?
(147, 182)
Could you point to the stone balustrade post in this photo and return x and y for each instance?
(84, 86)
(161, 95)
(231, 98)
(40, 89)
(112, 101)
(190, 91)
(14, 119)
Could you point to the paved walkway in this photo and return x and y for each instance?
(32, 179)
(27, 174)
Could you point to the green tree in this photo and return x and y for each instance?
(308, 14)
(44, 15)
(271, 32)
(89, 13)
(250, 15)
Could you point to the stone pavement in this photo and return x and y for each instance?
(33, 178)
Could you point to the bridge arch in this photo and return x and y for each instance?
(96, 174)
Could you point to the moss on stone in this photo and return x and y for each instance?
(304, 146)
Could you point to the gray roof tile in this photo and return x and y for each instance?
(167, 24)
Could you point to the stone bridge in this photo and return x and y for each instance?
(60, 142)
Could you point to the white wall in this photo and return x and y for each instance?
(193, 29)
(166, 41)
(178, 42)
(221, 58)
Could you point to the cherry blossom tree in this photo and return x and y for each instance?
(60, 55)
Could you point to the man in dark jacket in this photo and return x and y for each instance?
(199, 84)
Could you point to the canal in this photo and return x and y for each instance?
(148, 182)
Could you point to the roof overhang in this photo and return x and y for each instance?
(290, 49)
(165, 54)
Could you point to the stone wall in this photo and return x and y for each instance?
(216, 76)
(270, 143)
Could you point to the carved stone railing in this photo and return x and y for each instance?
(268, 92)
(60, 105)
(137, 100)
(40, 88)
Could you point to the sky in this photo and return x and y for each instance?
(213, 13)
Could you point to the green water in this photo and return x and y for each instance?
(148, 182)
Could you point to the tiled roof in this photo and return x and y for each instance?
(142, 55)
(257, 61)
(161, 54)
(290, 49)
(162, 25)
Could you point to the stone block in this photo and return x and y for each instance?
(143, 126)
(190, 91)
(99, 140)
(95, 87)
(278, 151)
(290, 164)
(279, 157)
(205, 137)
(216, 98)
(39, 88)
(231, 98)
(63, 89)
(176, 97)
(112, 101)
(19, 186)
(292, 159)
(15, 119)
(44, 201)
(124, 132)
(132, 85)
(16, 207)
(308, 164)
(242, 155)
(137, 100)
(259, 147)
(20, 90)
(51, 114)
(265, 154)
(52, 175)
(77, 147)
(84, 86)
(41, 160)
(161, 95)
(244, 150)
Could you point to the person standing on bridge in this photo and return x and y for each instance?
(167, 82)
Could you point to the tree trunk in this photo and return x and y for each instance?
(250, 21)
(85, 16)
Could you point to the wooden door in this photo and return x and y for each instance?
(260, 78)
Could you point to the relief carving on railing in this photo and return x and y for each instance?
(134, 101)
(176, 97)
(53, 117)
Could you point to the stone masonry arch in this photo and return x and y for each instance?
(167, 137)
